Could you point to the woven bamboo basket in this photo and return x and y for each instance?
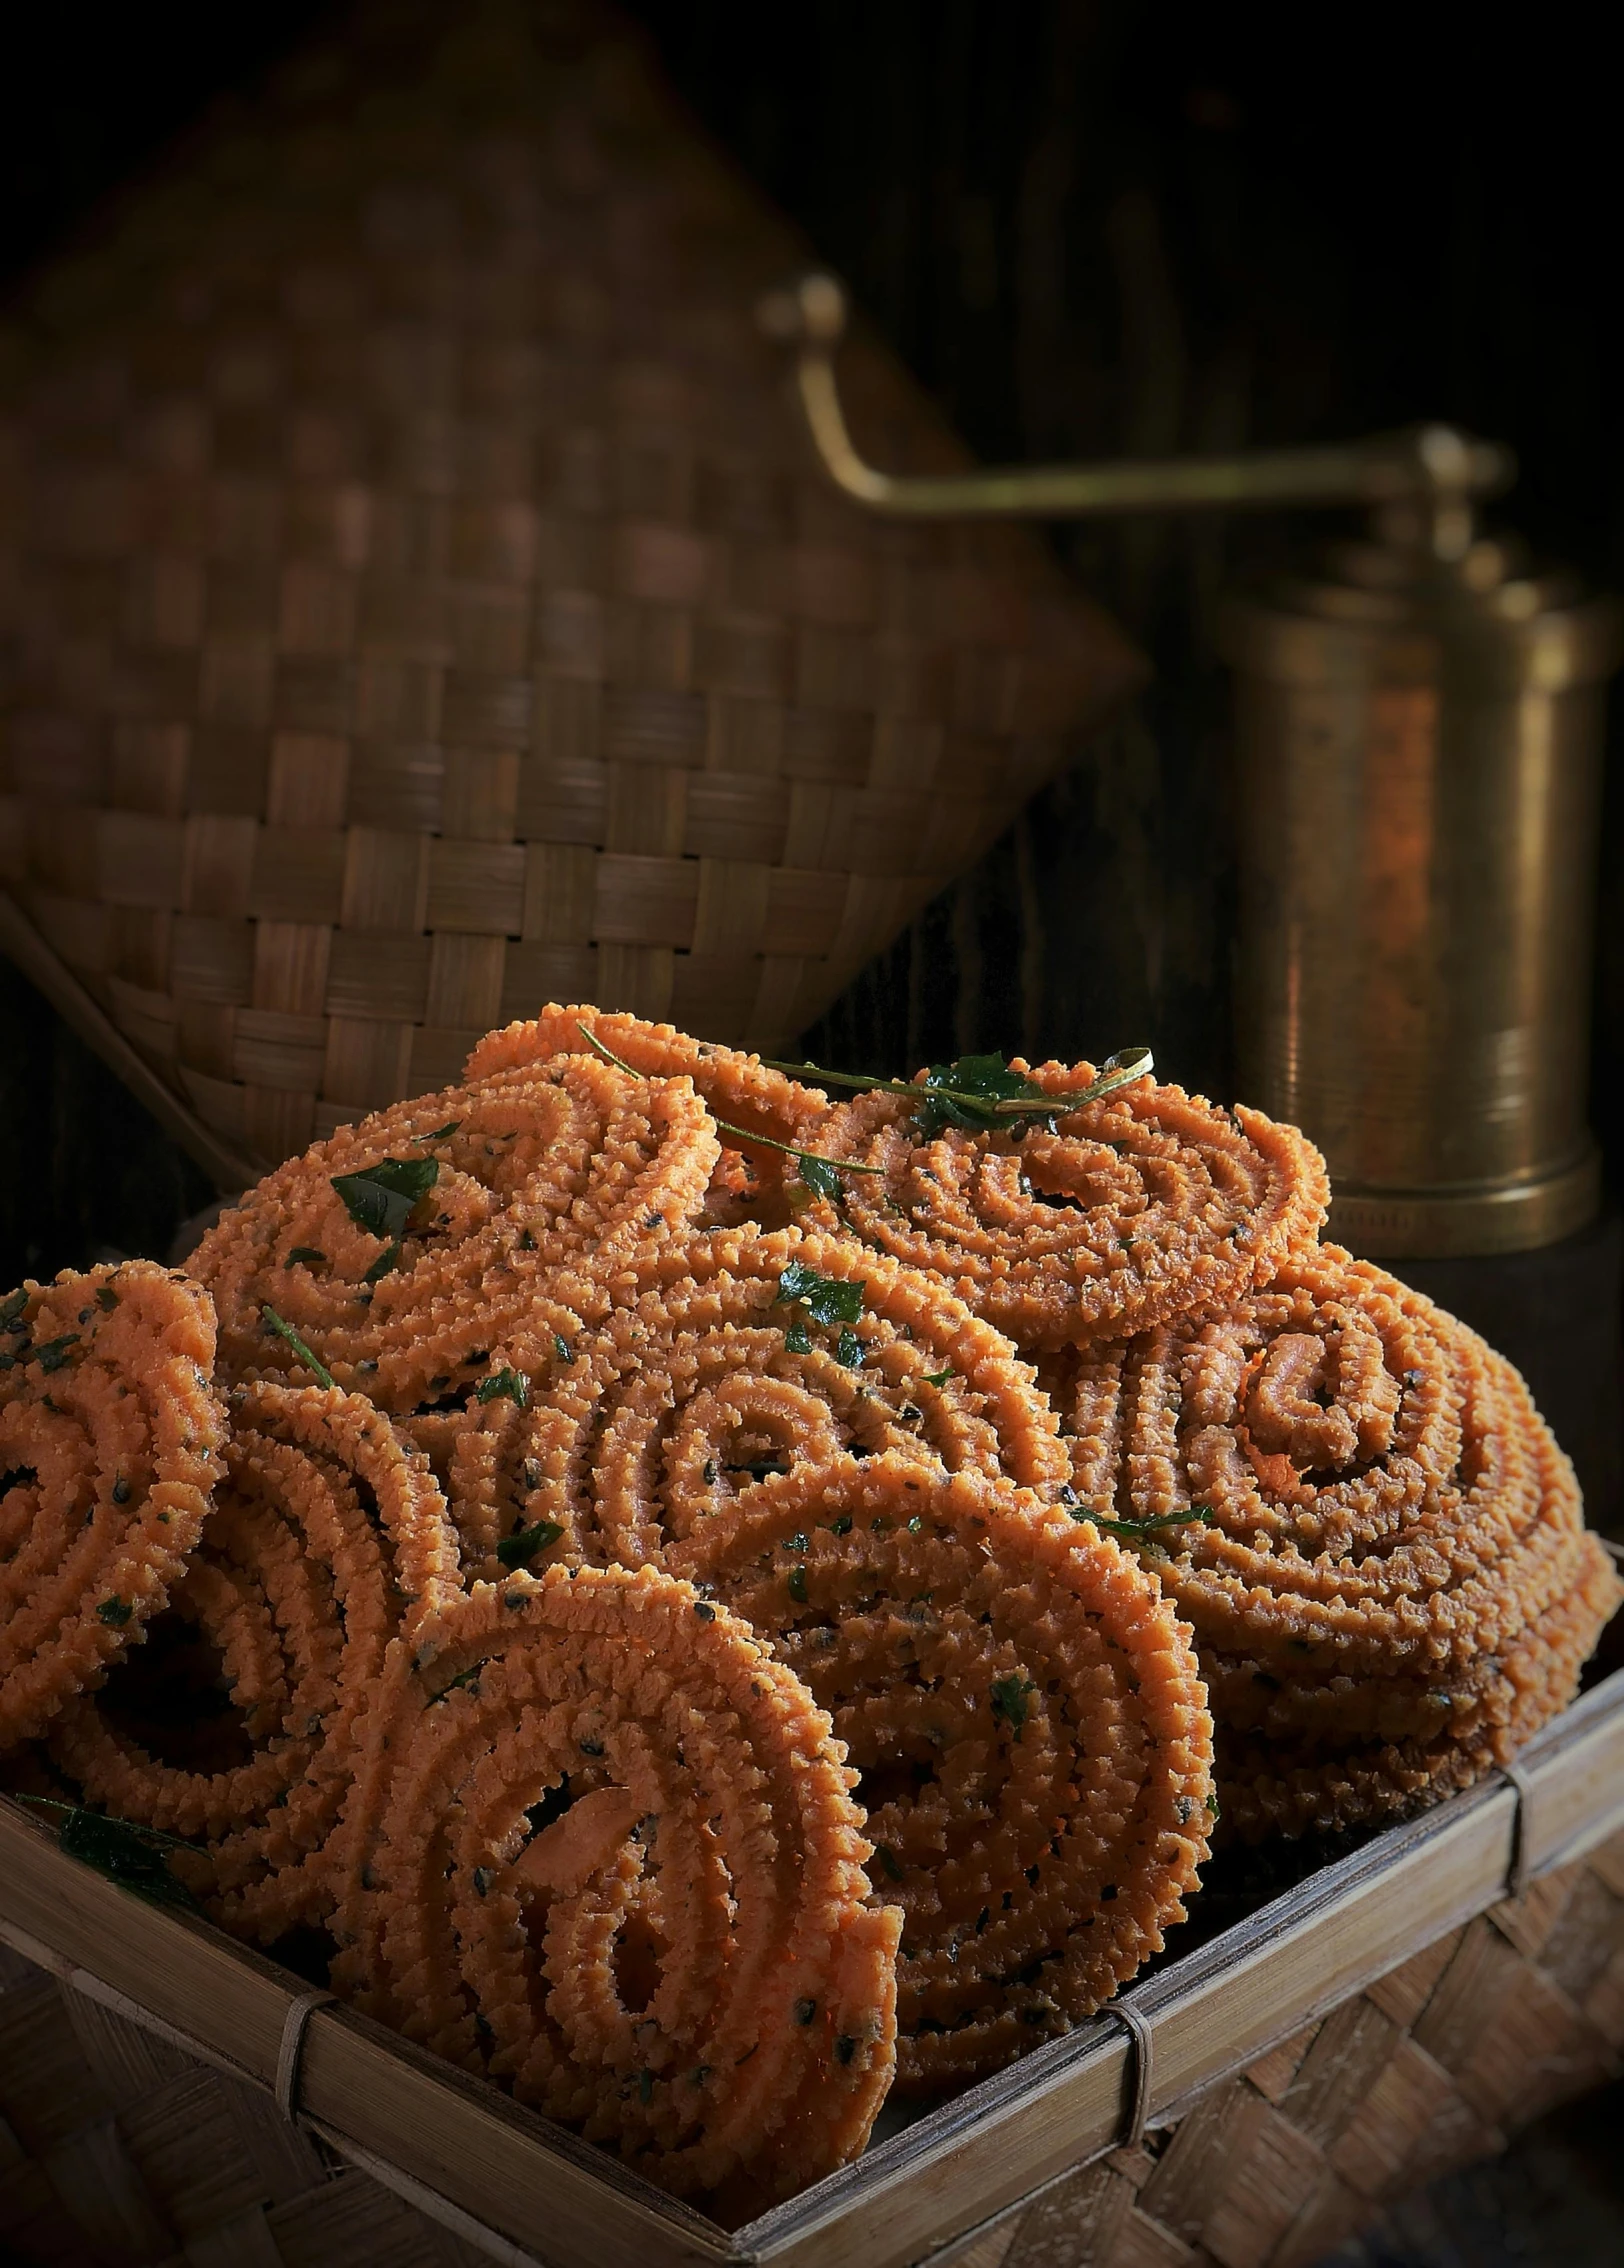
(169, 2096)
(416, 603)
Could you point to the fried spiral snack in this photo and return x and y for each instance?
(602, 1848)
(739, 1089)
(1379, 1543)
(1144, 1205)
(328, 1536)
(1028, 1725)
(400, 1250)
(503, 1465)
(109, 1439)
(710, 1375)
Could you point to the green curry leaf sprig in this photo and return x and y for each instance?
(982, 1094)
(821, 1174)
(834, 1302)
(1149, 1531)
(382, 1198)
(135, 1857)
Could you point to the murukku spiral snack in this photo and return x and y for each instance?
(327, 1537)
(1076, 1225)
(503, 1463)
(730, 1357)
(401, 1250)
(1379, 1543)
(109, 1438)
(746, 1096)
(1027, 1722)
(601, 1848)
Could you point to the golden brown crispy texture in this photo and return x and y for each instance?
(1391, 1584)
(538, 1174)
(328, 1537)
(1027, 1720)
(601, 1848)
(1146, 1205)
(735, 1086)
(706, 1377)
(110, 1434)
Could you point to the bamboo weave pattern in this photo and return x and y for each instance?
(116, 2148)
(415, 605)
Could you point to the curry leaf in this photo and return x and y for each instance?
(512, 1383)
(827, 1299)
(520, 1548)
(968, 1093)
(1010, 1701)
(1146, 1531)
(971, 1087)
(381, 1198)
(133, 1856)
(821, 1175)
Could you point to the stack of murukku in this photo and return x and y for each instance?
(703, 1588)
(1113, 1228)
(583, 1834)
(1377, 1540)
(110, 1434)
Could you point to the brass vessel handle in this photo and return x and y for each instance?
(1434, 465)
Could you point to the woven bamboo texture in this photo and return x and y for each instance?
(416, 602)
(1432, 2068)
(118, 2148)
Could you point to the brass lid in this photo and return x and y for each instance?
(1396, 606)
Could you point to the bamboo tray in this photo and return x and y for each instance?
(1448, 2024)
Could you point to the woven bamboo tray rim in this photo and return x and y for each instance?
(502, 2177)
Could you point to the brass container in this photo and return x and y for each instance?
(1419, 737)
(1419, 749)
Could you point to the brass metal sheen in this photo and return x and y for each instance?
(1419, 773)
(1419, 736)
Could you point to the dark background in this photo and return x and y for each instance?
(1090, 227)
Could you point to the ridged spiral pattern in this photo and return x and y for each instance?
(705, 1379)
(1393, 1585)
(1144, 1205)
(736, 1087)
(110, 1432)
(1028, 1726)
(602, 1849)
(327, 1538)
(540, 1170)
